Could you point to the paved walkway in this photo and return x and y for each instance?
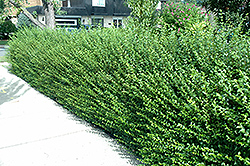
(3, 50)
(35, 131)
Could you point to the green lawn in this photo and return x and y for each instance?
(3, 42)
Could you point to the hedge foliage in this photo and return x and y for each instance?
(171, 100)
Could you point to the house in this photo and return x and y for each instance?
(106, 13)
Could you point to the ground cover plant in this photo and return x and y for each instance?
(172, 100)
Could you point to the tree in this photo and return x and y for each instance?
(48, 7)
(6, 28)
(27, 14)
(49, 11)
(226, 5)
(229, 9)
(24, 21)
(144, 12)
(2, 5)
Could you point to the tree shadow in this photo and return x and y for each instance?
(10, 90)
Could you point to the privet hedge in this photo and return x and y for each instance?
(171, 100)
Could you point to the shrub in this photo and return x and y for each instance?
(143, 13)
(234, 12)
(171, 100)
(2, 6)
(183, 16)
(24, 21)
(6, 28)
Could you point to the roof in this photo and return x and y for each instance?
(73, 11)
(81, 11)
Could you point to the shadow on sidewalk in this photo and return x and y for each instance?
(116, 146)
(11, 90)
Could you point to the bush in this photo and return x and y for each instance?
(234, 12)
(183, 16)
(143, 13)
(171, 100)
(6, 28)
(23, 21)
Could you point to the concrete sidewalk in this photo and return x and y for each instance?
(35, 131)
(3, 50)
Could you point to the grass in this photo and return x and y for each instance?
(3, 42)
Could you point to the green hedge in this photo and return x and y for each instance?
(171, 100)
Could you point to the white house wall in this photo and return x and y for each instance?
(108, 20)
(87, 20)
(41, 18)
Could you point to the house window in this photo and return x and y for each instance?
(43, 19)
(100, 3)
(97, 21)
(66, 22)
(117, 22)
(66, 3)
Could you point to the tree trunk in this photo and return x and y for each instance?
(49, 11)
(26, 13)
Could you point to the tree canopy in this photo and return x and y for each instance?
(230, 10)
(13, 5)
